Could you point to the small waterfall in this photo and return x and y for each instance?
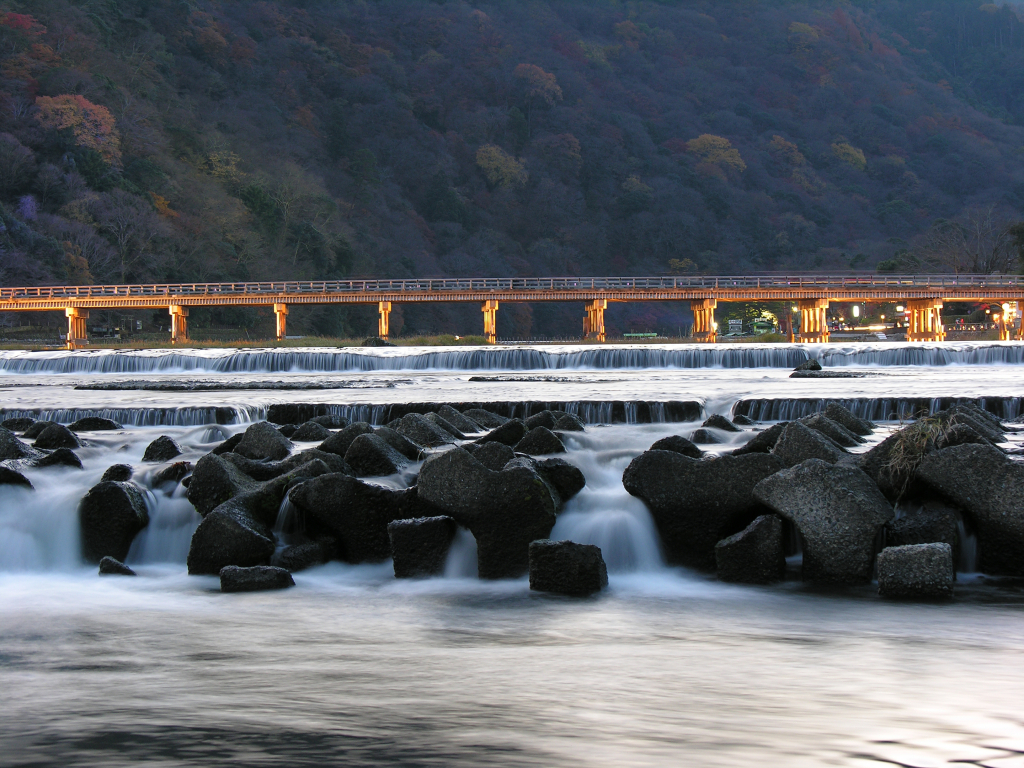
(172, 521)
(968, 562)
(185, 416)
(875, 409)
(461, 562)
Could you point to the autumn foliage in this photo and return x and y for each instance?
(91, 125)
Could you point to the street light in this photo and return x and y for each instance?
(856, 311)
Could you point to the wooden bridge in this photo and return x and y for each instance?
(923, 295)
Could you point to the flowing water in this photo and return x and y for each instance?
(352, 667)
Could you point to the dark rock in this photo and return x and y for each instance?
(162, 449)
(916, 571)
(215, 480)
(62, 457)
(295, 413)
(540, 441)
(980, 420)
(568, 423)
(838, 511)
(109, 517)
(310, 432)
(268, 470)
(11, 477)
(494, 456)
(933, 523)
(989, 488)
(438, 421)
(340, 441)
(809, 365)
(837, 433)
(509, 433)
(299, 557)
(565, 478)
(262, 441)
(56, 436)
(697, 503)
(110, 566)
(18, 424)
(422, 431)
(844, 416)
(117, 473)
(370, 456)
(542, 419)
(704, 437)
(94, 424)
(743, 421)
(331, 421)
(504, 510)
(231, 535)
(228, 445)
(400, 443)
(959, 433)
(458, 420)
(829, 374)
(289, 429)
(718, 421)
(376, 341)
(420, 546)
(755, 555)
(763, 442)
(34, 431)
(678, 444)
(567, 568)
(485, 419)
(356, 513)
(256, 578)
(798, 443)
(175, 473)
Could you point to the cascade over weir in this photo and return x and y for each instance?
(923, 295)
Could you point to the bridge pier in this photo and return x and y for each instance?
(77, 334)
(704, 327)
(384, 321)
(490, 310)
(925, 320)
(813, 321)
(593, 321)
(281, 314)
(179, 323)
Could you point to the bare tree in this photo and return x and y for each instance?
(978, 241)
(132, 228)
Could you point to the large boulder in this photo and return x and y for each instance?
(214, 481)
(540, 441)
(18, 423)
(485, 419)
(566, 422)
(839, 434)
(235, 533)
(422, 431)
(697, 503)
(228, 445)
(164, 448)
(310, 432)
(109, 517)
(838, 511)
(509, 433)
(798, 443)
(458, 420)
(978, 419)
(494, 456)
(743, 420)
(400, 443)
(255, 578)
(331, 421)
(718, 421)
(989, 488)
(845, 417)
(504, 510)
(678, 444)
(932, 523)
(62, 457)
(94, 424)
(916, 571)
(419, 547)
(764, 441)
(370, 456)
(755, 555)
(57, 436)
(36, 429)
(268, 470)
(117, 473)
(566, 479)
(439, 421)
(12, 477)
(544, 418)
(263, 441)
(809, 365)
(567, 568)
(704, 436)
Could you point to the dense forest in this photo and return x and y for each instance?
(153, 140)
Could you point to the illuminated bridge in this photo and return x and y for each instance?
(923, 296)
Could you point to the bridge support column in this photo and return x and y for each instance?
(179, 323)
(490, 310)
(593, 321)
(77, 334)
(384, 321)
(704, 327)
(281, 314)
(813, 322)
(925, 320)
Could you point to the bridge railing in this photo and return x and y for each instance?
(500, 284)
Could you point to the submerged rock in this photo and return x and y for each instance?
(57, 436)
(110, 566)
(755, 555)
(567, 568)
(678, 444)
(162, 449)
(916, 571)
(419, 546)
(263, 441)
(110, 515)
(540, 441)
(256, 578)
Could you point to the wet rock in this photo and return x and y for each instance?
(567, 568)
(764, 441)
(844, 416)
(175, 473)
(542, 419)
(678, 444)
(978, 419)
(697, 503)
(262, 441)
(798, 443)
(400, 443)
(505, 510)
(933, 523)
(838, 511)
(744, 421)
(958, 433)
(989, 488)
(36, 429)
(117, 473)
(809, 365)
(755, 555)
(162, 449)
(299, 557)
(109, 517)
(540, 441)
(295, 413)
(509, 433)
(439, 422)
(331, 421)
(310, 432)
(485, 419)
(11, 477)
(228, 445)
(420, 546)
(837, 433)
(62, 457)
(340, 441)
(255, 578)
(268, 470)
(110, 566)
(370, 456)
(458, 420)
(568, 423)
(704, 437)
(916, 571)
(565, 478)
(94, 424)
(718, 421)
(422, 431)
(18, 424)
(494, 456)
(288, 430)
(56, 436)
(235, 533)
(215, 480)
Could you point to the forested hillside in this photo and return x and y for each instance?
(227, 140)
